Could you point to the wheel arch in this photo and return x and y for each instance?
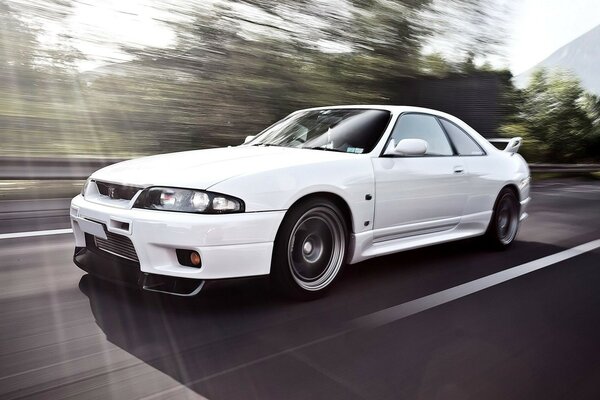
(514, 189)
(334, 198)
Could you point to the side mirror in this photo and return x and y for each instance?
(408, 147)
(249, 139)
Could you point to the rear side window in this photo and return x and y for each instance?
(464, 144)
(425, 127)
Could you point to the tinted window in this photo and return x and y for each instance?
(463, 143)
(344, 130)
(425, 127)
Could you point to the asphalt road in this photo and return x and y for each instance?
(64, 334)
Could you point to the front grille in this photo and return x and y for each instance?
(118, 245)
(116, 191)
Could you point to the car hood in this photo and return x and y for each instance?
(201, 169)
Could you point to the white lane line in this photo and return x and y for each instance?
(35, 233)
(407, 309)
(404, 310)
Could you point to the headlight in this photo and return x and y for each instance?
(85, 186)
(188, 200)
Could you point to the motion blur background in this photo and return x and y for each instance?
(120, 79)
(84, 83)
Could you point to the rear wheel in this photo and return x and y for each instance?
(309, 249)
(505, 220)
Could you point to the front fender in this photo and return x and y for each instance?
(278, 189)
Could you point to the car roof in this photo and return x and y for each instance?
(392, 108)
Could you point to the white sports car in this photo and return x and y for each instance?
(319, 189)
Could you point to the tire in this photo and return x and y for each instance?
(504, 225)
(309, 250)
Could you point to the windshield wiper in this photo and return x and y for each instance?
(268, 144)
(323, 149)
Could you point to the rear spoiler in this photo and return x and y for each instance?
(512, 145)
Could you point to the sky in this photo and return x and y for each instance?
(539, 27)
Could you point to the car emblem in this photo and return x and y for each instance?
(111, 192)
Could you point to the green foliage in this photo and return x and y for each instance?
(230, 73)
(591, 105)
(557, 119)
(533, 149)
(436, 64)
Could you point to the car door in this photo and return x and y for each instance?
(418, 194)
(482, 189)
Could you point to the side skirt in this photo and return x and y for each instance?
(365, 245)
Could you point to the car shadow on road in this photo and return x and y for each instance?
(236, 322)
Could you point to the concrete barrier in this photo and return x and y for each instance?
(51, 167)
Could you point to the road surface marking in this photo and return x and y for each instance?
(407, 309)
(35, 233)
(394, 313)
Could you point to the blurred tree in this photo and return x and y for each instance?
(557, 119)
(17, 47)
(436, 64)
(591, 105)
(283, 55)
(38, 110)
(467, 66)
(235, 67)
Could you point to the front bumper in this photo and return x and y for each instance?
(230, 245)
(115, 269)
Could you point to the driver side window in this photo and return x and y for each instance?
(425, 127)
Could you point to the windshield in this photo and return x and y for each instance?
(344, 130)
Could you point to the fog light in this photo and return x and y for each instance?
(195, 258)
(189, 258)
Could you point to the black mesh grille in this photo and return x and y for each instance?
(118, 245)
(116, 191)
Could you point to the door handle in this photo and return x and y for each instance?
(459, 170)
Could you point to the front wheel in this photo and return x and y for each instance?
(309, 249)
(505, 220)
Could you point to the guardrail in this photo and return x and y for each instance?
(564, 168)
(80, 168)
(33, 208)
